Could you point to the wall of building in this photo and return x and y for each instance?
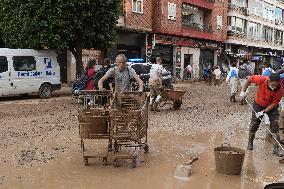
(137, 21)
(220, 9)
(160, 19)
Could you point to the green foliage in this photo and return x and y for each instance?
(58, 24)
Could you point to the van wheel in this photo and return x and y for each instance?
(45, 91)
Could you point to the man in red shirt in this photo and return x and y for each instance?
(268, 96)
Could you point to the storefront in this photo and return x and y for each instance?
(186, 51)
(132, 44)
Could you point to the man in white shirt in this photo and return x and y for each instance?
(217, 74)
(232, 80)
(155, 82)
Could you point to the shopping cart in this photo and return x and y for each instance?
(94, 122)
(129, 124)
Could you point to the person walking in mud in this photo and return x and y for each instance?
(232, 81)
(122, 75)
(243, 77)
(268, 96)
(155, 82)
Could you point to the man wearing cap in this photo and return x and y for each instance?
(268, 96)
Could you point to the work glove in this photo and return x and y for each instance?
(259, 114)
(265, 119)
(243, 94)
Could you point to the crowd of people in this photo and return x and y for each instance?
(270, 85)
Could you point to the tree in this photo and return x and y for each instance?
(59, 24)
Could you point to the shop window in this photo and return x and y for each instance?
(137, 6)
(3, 64)
(24, 63)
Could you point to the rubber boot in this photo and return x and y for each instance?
(276, 150)
(250, 141)
(234, 98)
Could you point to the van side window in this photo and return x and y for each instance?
(3, 64)
(24, 63)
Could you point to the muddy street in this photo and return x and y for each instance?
(40, 146)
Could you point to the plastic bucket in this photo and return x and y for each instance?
(229, 160)
(275, 186)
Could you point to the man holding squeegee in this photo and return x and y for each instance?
(269, 94)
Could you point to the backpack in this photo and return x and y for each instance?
(80, 83)
(233, 73)
(98, 75)
(243, 73)
(267, 72)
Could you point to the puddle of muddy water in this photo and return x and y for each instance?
(157, 171)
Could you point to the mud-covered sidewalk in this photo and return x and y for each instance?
(40, 146)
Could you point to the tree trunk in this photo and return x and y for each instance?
(77, 52)
(79, 62)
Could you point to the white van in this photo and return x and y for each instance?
(24, 71)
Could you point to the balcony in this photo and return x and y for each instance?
(198, 26)
(206, 4)
(243, 9)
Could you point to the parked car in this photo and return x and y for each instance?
(143, 70)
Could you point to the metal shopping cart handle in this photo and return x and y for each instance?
(83, 92)
(133, 92)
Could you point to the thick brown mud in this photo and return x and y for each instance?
(40, 146)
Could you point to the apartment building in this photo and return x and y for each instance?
(189, 32)
(181, 32)
(255, 31)
(133, 25)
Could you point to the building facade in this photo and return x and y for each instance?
(133, 26)
(255, 32)
(189, 32)
(181, 32)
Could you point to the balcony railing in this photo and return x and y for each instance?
(197, 26)
(211, 1)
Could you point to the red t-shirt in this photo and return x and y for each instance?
(265, 96)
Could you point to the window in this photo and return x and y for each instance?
(237, 24)
(171, 11)
(3, 64)
(254, 30)
(219, 22)
(238, 3)
(24, 63)
(255, 8)
(268, 12)
(267, 34)
(279, 14)
(137, 6)
(278, 37)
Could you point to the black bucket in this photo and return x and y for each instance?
(275, 186)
